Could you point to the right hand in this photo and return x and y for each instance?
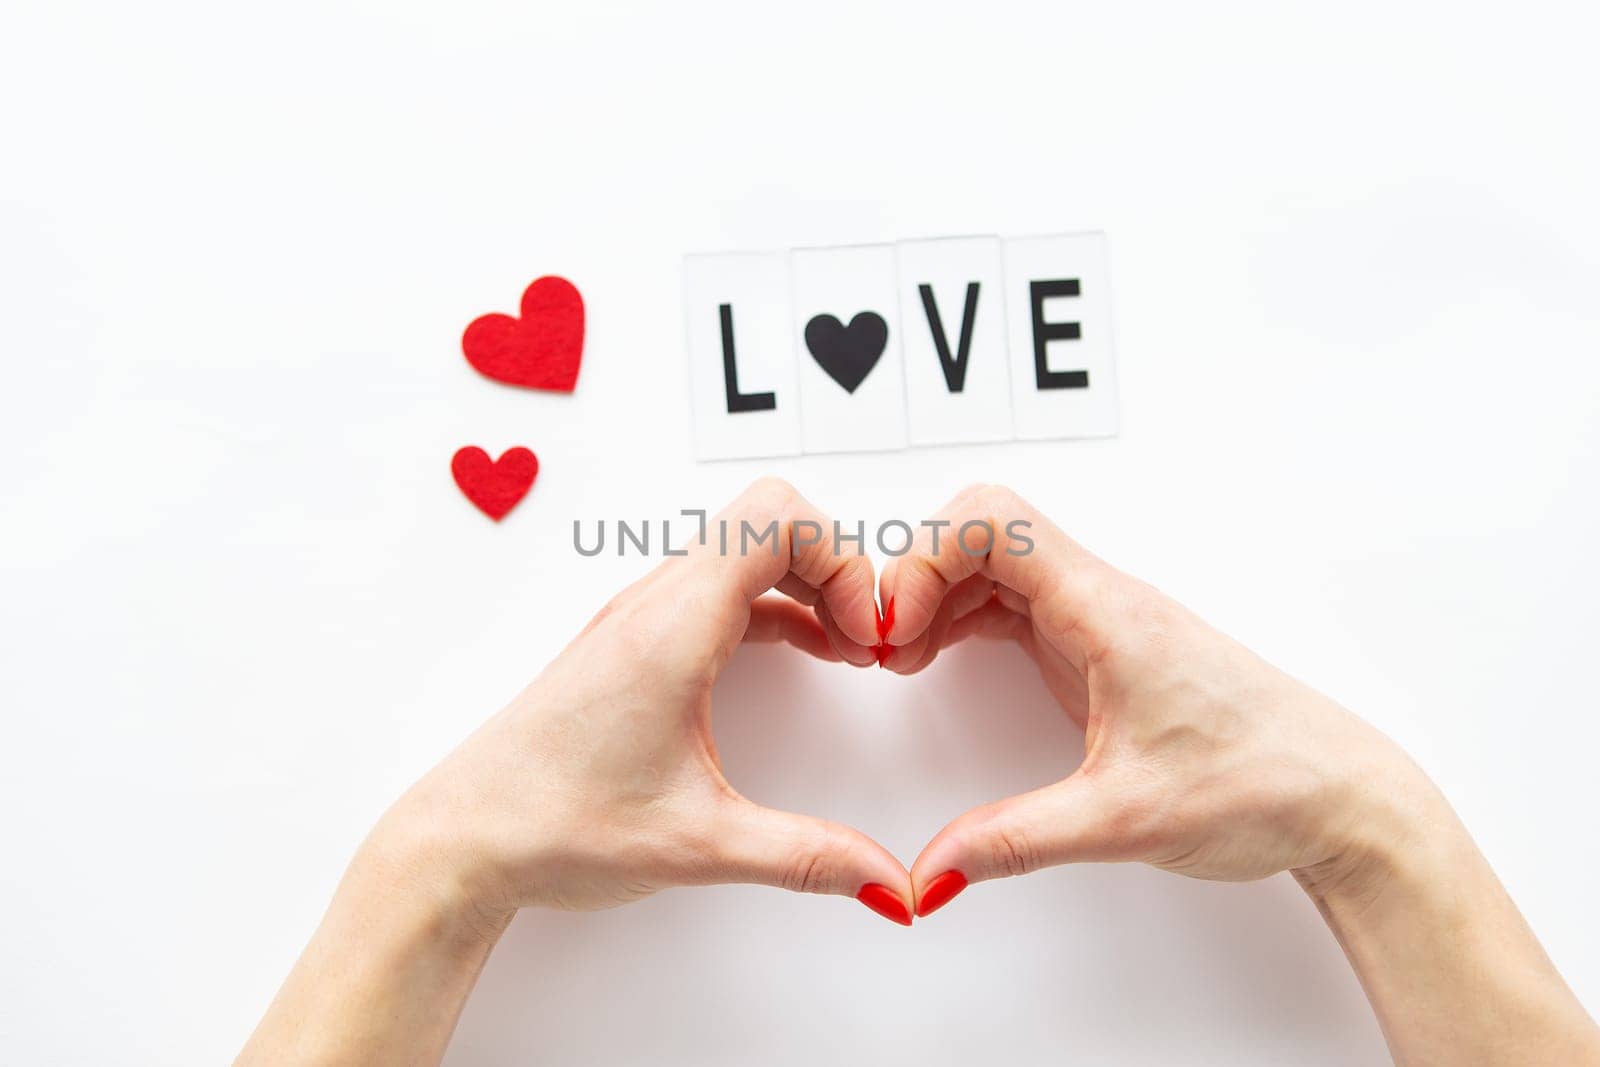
(1200, 758)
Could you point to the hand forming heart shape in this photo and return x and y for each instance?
(601, 782)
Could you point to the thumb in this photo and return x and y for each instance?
(807, 855)
(1072, 821)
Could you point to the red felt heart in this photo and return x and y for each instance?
(542, 349)
(495, 486)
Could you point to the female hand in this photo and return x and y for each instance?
(600, 783)
(1204, 760)
(1199, 757)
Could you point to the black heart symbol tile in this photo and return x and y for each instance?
(847, 353)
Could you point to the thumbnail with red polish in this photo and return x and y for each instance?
(940, 892)
(888, 621)
(881, 899)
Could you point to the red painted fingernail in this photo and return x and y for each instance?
(888, 621)
(940, 892)
(881, 899)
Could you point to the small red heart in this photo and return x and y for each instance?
(542, 349)
(495, 486)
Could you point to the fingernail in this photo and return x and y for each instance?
(881, 899)
(882, 652)
(940, 892)
(888, 621)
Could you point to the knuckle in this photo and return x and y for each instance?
(1131, 822)
(999, 500)
(814, 866)
(971, 493)
(696, 853)
(807, 876)
(610, 610)
(1012, 851)
(1146, 617)
(641, 635)
(770, 496)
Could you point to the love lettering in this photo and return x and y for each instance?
(877, 347)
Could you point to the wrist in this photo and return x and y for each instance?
(385, 975)
(1390, 827)
(419, 865)
(1451, 968)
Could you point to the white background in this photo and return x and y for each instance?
(242, 605)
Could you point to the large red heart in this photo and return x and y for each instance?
(495, 486)
(542, 349)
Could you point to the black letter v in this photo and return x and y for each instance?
(955, 370)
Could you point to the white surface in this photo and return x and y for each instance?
(1060, 410)
(242, 605)
(981, 411)
(845, 282)
(755, 288)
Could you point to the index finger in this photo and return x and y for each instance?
(992, 531)
(770, 532)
